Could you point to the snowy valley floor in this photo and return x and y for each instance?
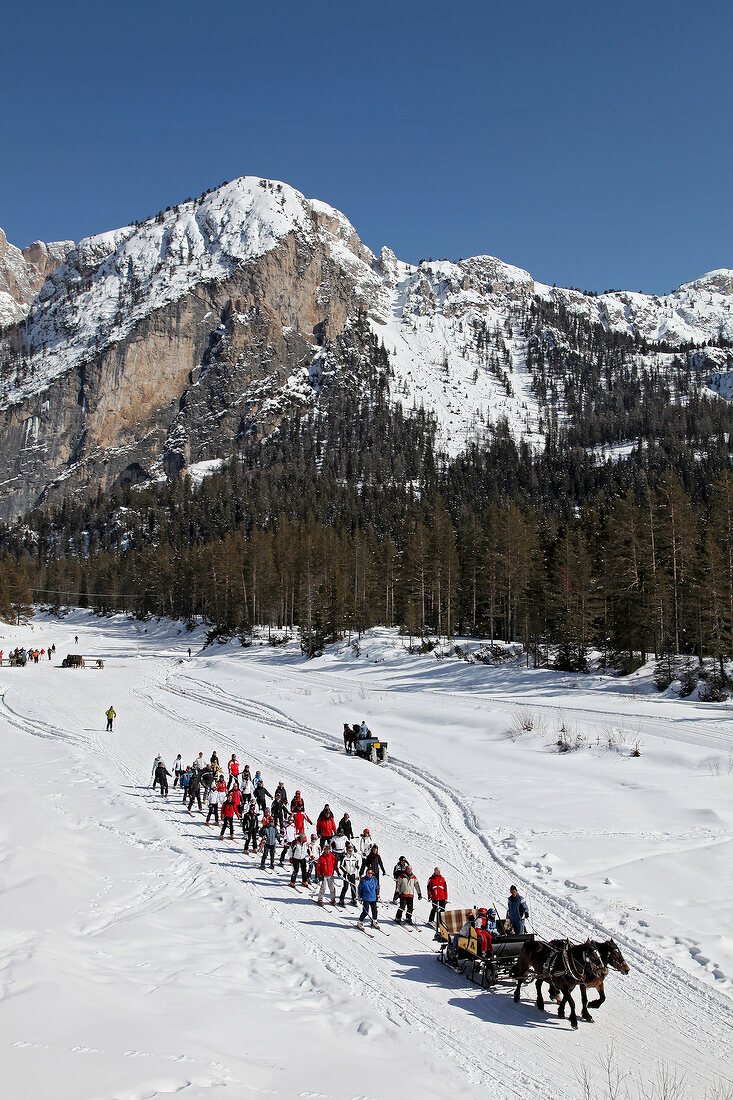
(142, 956)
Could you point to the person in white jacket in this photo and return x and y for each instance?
(287, 838)
(300, 857)
(338, 846)
(215, 799)
(365, 843)
(350, 865)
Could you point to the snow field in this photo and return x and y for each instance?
(143, 955)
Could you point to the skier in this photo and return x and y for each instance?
(237, 800)
(248, 790)
(407, 886)
(261, 793)
(365, 843)
(325, 826)
(199, 763)
(194, 788)
(280, 790)
(437, 891)
(299, 820)
(398, 870)
(373, 862)
(338, 847)
(297, 805)
(299, 860)
(517, 910)
(207, 780)
(250, 825)
(269, 834)
(233, 772)
(161, 775)
(313, 853)
(326, 868)
(279, 809)
(346, 827)
(369, 894)
(185, 780)
(158, 760)
(215, 800)
(214, 760)
(111, 715)
(288, 838)
(177, 770)
(227, 817)
(350, 873)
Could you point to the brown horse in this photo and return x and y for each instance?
(563, 966)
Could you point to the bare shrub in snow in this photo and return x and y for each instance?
(524, 721)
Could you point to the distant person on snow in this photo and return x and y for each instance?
(346, 827)
(154, 774)
(517, 911)
(227, 817)
(250, 827)
(194, 789)
(399, 869)
(373, 863)
(233, 772)
(177, 770)
(326, 826)
(269, 834)
(111, 715)
(299, 860)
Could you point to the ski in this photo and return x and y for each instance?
(369, 934)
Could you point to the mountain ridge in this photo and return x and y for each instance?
(156, 346)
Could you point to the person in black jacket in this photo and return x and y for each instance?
(262, 794)
(161, 776)
(372, 862)
(278, 809)
(250, 827)
(194, 789)
(346, 827)
(297, 805)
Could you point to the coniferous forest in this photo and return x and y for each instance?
(351, 517)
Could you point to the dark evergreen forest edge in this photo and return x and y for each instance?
(351, 517)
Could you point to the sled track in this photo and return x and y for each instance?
(656, 985)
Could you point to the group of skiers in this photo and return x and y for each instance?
(331, 852)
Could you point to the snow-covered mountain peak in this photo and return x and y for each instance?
(720, 281)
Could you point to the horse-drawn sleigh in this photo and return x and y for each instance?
(511, 958)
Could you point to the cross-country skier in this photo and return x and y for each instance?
(299, 860)
(287, 839)
(215, 799)
(350, 873)
(325, 826)
(369, 894)
(157, 761)
(407, 886)
(161, 775)
(346, 827)
(373, 863)
(111, 714)
(227, 817)
(338, 846)
(250, 828)
(233, 772)
(399, 869)
(437, 891)
(269, 834)
(185, 780)
(297, 805)
(194, 788)
(326, 868)
(177, 770)
(365, 843)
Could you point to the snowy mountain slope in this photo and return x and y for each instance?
(155, 346)
(203, 972)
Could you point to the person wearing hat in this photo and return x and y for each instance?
(177, 770)
(110, 714)
(407, 887)
(365, 843)
(299, 860)
(517, 911)
(227, 816)
(369, 894)
(346, 827)
(233, 768)
(250, 827)
(398, 870)
(437, 891)
(350, 873)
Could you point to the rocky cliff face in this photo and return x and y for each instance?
(23, 273)
(156, 346)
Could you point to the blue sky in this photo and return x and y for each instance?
(591, 144)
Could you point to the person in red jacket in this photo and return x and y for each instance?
(326, 825)
(299, 819)
(237, 800)
(233, 772)
(325, 868)
(227, 818)
(438, 895)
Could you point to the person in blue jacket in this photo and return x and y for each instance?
(517, 911)
(369, 894)
(269, 834)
